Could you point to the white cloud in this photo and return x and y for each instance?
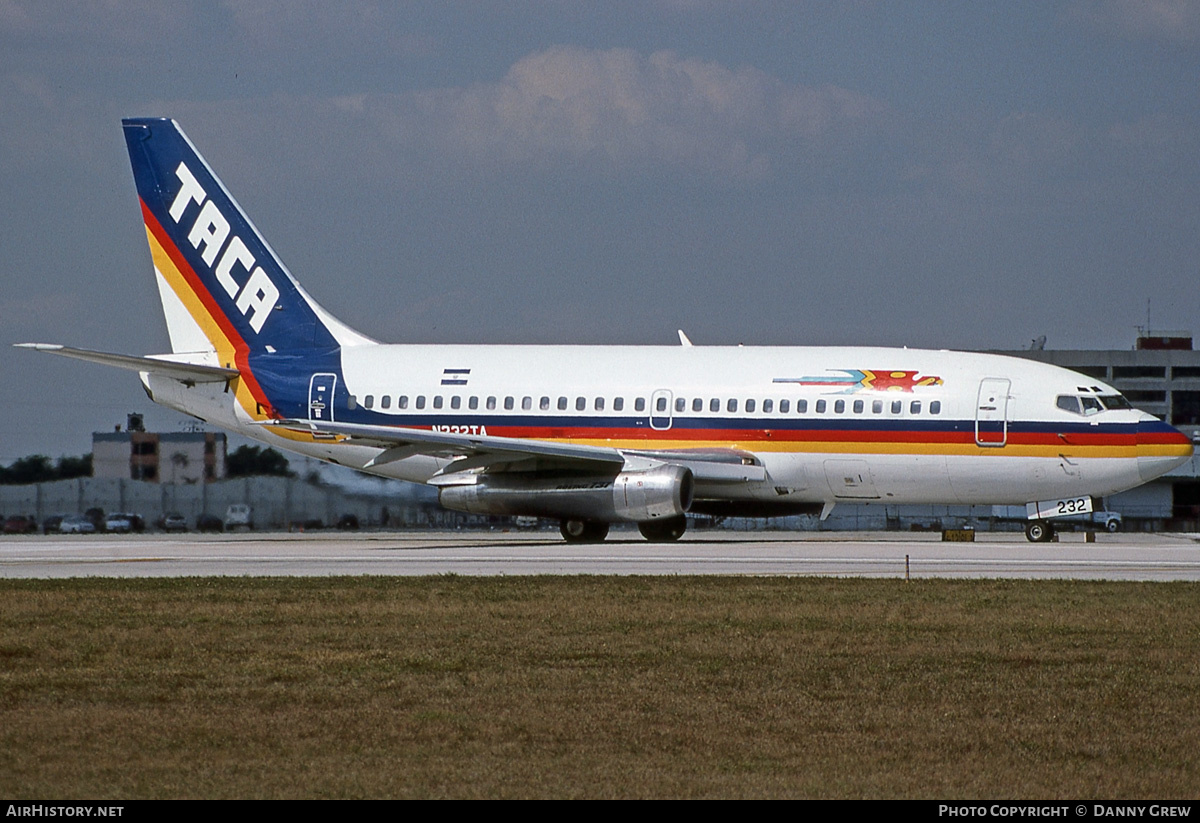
(1171, 20)
(623, 110)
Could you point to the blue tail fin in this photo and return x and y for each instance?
(222, 287)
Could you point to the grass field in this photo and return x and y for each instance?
(598, 687)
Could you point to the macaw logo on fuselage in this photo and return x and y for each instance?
(258, 295)
(853, 380)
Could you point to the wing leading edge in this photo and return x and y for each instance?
(474, 451)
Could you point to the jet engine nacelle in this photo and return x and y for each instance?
(633, 496)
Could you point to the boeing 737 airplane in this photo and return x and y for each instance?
(595, 435)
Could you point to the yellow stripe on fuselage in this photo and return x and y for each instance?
(869, 447)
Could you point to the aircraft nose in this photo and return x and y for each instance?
(1160, 448)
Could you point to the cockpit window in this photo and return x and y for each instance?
(1090, 404)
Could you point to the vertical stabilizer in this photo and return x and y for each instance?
(222, 287)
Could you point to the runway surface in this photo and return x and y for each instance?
(850, 554)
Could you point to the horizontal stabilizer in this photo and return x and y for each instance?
(186, 372)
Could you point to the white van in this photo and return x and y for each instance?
(239, 516)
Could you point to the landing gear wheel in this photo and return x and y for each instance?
(1037, 531)
(663, 531)
(583, 531)
(1112, 527)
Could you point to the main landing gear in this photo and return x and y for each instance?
(656, 531)
(1039, 531)
(664, 531)
(583, 531)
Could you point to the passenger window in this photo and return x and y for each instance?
(731, 406)
(599, 404)
(437, 401)
(820, 407)
(639, 404)
(369, 401)
(839, 406)
(858, 407)
(698, 404)
(802, 407)
(351, 402)
(784, 406)
(562, 404)
(661, 404)
(749, 407)
(385, 402)
(768, 406)
(455, 402)
(935, 407)
(915, 407)
(509, 402)
(714, 405)
(526, 403)
(897, 406)
(402, 401)
(618, 404)
(473, 403)
(544, 404)
(580, 403)
(680, 404)
(876, 407)
(420, 401)
(491, 403)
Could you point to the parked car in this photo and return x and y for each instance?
(96, 516)
(76, 524)
(20, 524)
(173, 522)
(1108, 521)
(51, 523)
(348, 522)
(209, 523)
(239, 516)
(118, 523)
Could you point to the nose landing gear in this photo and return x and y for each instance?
(1039, 531)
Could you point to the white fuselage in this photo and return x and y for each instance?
(826, 424)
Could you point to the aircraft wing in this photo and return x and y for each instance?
(468, 450)
(185, 372)
(471, 451)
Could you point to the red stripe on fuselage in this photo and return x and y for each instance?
(965, 437)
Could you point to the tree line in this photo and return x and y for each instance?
(244, 461)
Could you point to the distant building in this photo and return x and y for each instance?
(183, 458)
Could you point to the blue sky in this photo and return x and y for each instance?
(948, 175)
